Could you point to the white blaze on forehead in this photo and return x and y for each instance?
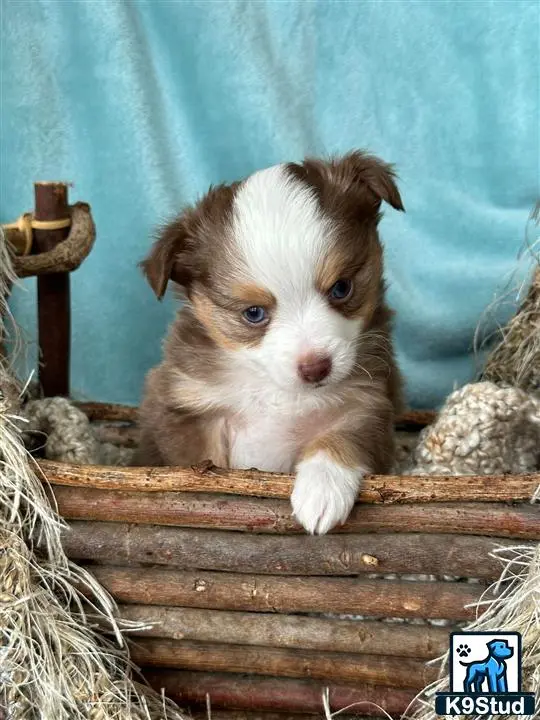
(283, 237)
(280, 230)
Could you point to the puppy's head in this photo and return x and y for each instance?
(284, 269)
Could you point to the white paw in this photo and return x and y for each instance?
(324, 493)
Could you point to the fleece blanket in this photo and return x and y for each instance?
(142, 105)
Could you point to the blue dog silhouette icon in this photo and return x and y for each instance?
(492, 669)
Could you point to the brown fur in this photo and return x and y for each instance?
(363, 434)
(250, 294)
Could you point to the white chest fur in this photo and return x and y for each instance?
(263, 440)
(260, 427)
(269, 431)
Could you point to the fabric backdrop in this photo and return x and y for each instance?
(142, 105)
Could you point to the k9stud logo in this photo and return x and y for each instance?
(485, 676)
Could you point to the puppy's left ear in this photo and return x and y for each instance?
(364, 179)
(167, 258)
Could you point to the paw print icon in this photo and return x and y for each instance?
(463, 650)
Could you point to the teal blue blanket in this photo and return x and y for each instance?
(144, 104)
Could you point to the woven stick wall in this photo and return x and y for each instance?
(251, 611)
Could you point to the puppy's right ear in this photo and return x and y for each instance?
(164, 260)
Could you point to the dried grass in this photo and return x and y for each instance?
(515, 359)
(53, 664)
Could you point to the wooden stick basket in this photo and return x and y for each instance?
(246, 609)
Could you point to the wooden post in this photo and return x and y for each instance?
(54, 326)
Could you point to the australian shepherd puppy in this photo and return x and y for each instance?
(281, 357)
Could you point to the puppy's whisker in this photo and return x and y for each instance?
(358, 366)
(378, 360)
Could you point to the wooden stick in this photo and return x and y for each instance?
(54, 327)
(289, 631)
(121, 435)
(439, 555)
(279, 662)
(227, 690)
(388, 489)
(247, 715)
(229, 512)
(108, 411)
(275, 594)
(128, 413)
(258, 715)
(416, 418)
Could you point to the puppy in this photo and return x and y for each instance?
(281, 358)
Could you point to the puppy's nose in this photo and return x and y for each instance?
(314, 368)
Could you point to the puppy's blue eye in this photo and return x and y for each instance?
(255, 315)
(340, 290)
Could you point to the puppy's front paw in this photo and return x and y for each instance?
(324, 493)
